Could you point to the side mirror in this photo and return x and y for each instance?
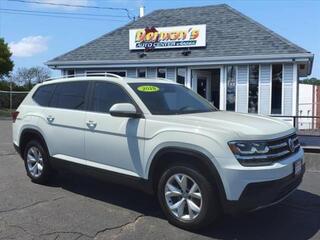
(124, 110)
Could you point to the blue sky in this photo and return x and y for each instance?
(36, 39)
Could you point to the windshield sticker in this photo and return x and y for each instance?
(148, 88)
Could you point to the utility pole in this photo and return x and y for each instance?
(10, 94)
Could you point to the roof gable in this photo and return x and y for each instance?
(229, 33)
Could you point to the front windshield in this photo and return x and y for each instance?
(166, 99)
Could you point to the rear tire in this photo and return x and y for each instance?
(187, 198)
(36, 160)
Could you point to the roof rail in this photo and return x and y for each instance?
(106, 74)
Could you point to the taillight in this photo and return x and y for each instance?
(14, 116)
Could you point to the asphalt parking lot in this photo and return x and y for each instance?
(79, 207)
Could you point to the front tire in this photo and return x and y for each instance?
(187, 198)
(36, 160)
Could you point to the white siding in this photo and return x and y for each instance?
(306, 97)
(287, 89)
(79, 71)
(265, 89)
(151, 72)
(242, 89)
(132, 72)
(171, 73)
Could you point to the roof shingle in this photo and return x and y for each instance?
(229, 33)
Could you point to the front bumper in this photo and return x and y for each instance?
(263, 194)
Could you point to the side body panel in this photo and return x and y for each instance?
(64, 131)
(116, 142)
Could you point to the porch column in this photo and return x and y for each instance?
(242, 89)
(264, 89)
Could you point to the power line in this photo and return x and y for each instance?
(56, 16)
(74, 5)
(61, 13)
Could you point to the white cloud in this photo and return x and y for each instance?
(29, 46)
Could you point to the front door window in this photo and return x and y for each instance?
(231, 88)
(202, 86)
(206, 82)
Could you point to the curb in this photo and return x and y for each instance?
(311, 149)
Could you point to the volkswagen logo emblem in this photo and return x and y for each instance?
(291, 145)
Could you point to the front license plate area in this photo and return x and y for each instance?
(297, 167)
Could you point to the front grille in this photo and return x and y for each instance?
(278, 150)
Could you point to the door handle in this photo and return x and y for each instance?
(50, 119)
(91, 124)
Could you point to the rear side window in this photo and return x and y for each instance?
(43, 95)
(70, 95)
(107, 94)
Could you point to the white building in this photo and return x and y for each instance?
(309, 105)
(228, 58)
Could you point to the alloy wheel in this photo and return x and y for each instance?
(183, 197)
(34, 162)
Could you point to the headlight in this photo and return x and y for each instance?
(251, 153)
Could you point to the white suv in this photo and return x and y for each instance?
(163, 137)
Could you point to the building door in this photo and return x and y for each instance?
(207, 84)
(215, 88)
(201, 83)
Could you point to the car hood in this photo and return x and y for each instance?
(245, 126)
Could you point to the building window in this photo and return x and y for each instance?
(161, 72)
(141, 72)
(102, 73)
(276, 94)
(181, 75)
(231, 88)
(253, 88)
(119, 73)
(70, 73)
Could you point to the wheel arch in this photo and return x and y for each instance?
(29, 134)
(185, 155)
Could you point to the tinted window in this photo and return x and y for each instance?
(70, 73)
(276, 89)
(181, 75)
(161, 72)
(231, 88)
(43, 94)
(120, 73)
(105, 95)
(253, 88)
(101, 74)
(141, 72)
(70, 95)
(164, 99)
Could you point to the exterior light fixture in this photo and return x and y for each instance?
(186, 52)
(141, 55)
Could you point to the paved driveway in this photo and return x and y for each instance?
(77, 207)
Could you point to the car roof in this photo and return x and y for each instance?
(121, 80)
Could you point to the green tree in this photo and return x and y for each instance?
(6, 64)
(312, 81)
